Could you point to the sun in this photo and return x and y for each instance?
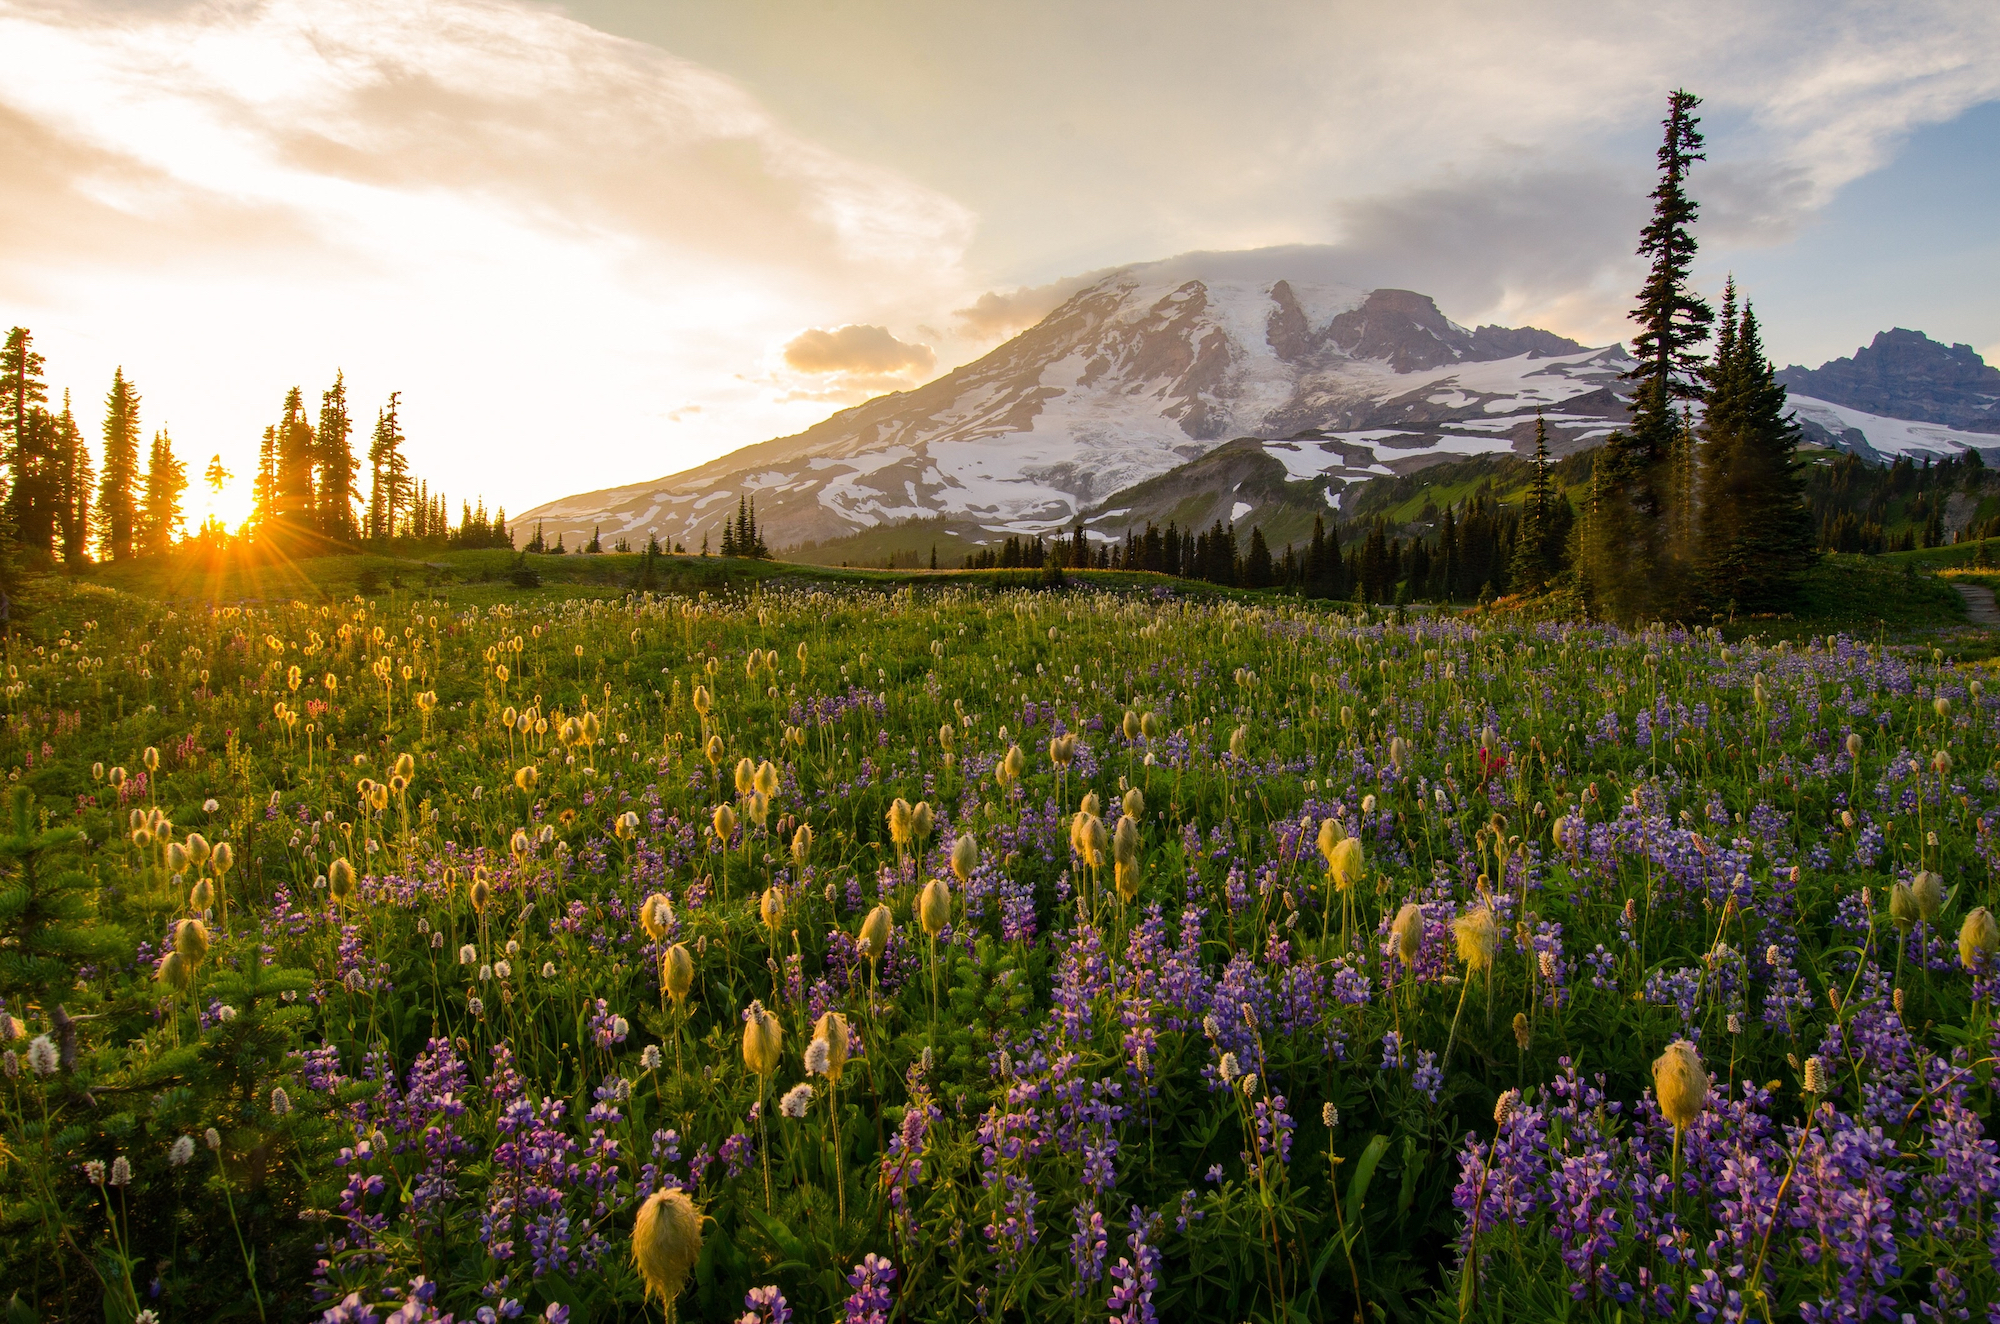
(216, 493)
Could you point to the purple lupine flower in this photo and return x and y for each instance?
(871, 1299)
(766, 1306)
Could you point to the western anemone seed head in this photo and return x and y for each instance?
(588, 728)
(964, 857)
(1062, 749)
(758, 806)
(1368, 804)
(1347, 863)
(655, 914)
(481, 894)
(1941, 763)
(520, 843)
(175, 973)
(874, 939)
(666, 1241)
(1903, 911)
(831, 1030)
(1854, 744)
(771, 908)
(1091, 804)
(802, 844)
(1408, 932)
(1978, 939)
(1012, 765)
(525, 778)
(151, 758)
(223, 857)
(1125, 841)
(340, 879)
(1521, 1031)
(136, 819)
(1149, 726)
(198, 849)
(201, 896)
(1681, 1083)
(746, 776)
(406, 766)
(1399, 752)
(1928, 889)
(1941, 705)
(1094, 842)
(947, 733)
(679, 971)
(191, 940)
(1239, 742)
(1131, 725)
(1125, 877)
(177, 857)
(934, 906)
(1476, 937)
(116, 777)
(763, 1040)
(626, 825)
(725, 823)
(765, 779)
(899, 821)
(922, 820)
(1134, 803)
(712, 751)
(701, 700)
(378, 796)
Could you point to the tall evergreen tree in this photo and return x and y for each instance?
(296, 446)
(160, 516)
(264, 488)
(117, 514)
(25, 433)
(1536, 562)
(75, 480)
(335, 503)
(388, 470)
(1757, 532)
(1630, 570)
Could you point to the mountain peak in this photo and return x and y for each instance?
(1905, 374)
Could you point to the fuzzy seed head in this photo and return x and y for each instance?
(831, 1032)
(201, 896)
(1477, 936)
(191, 940)
(1927, 889)
(1408, 933)
(1978, 939)
(1347, 863)
(802, 844)
(1681, 1083)
(678, 967)
(934, 907)
(1903, 909)
(724, 822)
(666, 1242)
(340, 879)
(771, 908)
(964, 857)
(746, 776)
(874, 939)
(763, 1040)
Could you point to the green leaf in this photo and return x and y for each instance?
(1364, 1172)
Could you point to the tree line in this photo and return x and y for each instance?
(128, 501)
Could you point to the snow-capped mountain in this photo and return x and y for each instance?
(1156, 364)
(1149, 367)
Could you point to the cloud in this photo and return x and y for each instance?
(229, 199)
(857, 349)
(1000, 313)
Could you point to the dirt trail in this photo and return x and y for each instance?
(1979, 605)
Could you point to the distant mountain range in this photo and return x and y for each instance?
(1215, 386)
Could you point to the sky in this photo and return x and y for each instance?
(599, 242)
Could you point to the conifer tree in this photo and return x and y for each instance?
(160, 515)
(335, 499)
(264, 488)
(1535, 561)
(1629, 564)
(1756, 534)
(296, 446)
(25, 433)
(117, 512)
(388, 470)
(74, 486)
(596, 547)
(48, 906)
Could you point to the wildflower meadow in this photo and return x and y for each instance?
(954, 955)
